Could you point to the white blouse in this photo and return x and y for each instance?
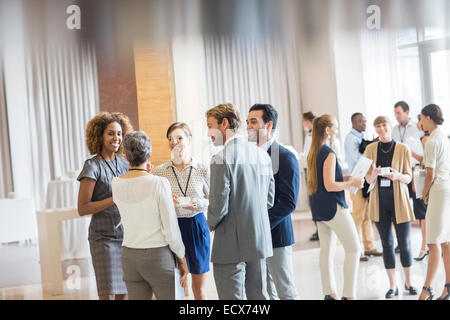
(147, 213)
(437, 155)
(198, 184)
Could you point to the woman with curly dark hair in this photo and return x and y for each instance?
(104, 135)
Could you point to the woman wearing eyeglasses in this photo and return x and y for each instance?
(189, 181)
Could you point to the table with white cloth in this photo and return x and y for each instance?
(63, 233)
(63, 194)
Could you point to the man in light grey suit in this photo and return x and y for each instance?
(241, 191)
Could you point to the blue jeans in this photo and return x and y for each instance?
(384, 226)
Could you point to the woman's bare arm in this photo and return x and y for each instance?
(85, 205)
(329, 178)
(429, 178)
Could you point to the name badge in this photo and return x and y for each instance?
(385, 183)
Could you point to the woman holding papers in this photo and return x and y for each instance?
(389, 200)
(152, 237)
(436, 193)
(326, 188)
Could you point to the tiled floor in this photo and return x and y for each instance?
(20, 275)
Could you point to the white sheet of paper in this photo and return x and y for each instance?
(179, 291)
(419, 181)
(360, 170)
(372, 185)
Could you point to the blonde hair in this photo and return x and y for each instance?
(228, 111)
(318, 135)
(381, 120)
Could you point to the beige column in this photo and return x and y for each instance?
(155, 98)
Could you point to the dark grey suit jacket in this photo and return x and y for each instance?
(241, 191)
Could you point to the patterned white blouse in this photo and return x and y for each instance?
(198, 184)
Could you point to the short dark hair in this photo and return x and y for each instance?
(434, 112)
(310, 116)
(269, 113)
(402, 104)
(355, 115)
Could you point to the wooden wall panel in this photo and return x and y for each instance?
(117, 82)
(154, 94)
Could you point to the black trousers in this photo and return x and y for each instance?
(420, 208)
(384, 226)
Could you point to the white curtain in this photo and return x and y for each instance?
(63, 97)
(380, 73)
(6, 184)
(245, 70)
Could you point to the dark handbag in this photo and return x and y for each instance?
(365, 188)
(363, 145)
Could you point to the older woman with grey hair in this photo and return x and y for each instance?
(152, 237)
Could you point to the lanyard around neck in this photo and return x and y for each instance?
(187, 183)
(115, 174)
(402, 136)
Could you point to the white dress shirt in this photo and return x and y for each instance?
(409, 135)
(147, 213)
(351, 148)
(266, 145)
(232, 138)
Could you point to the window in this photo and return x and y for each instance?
(440, 77)
(411, 65)
(410, 89)
(424, 68)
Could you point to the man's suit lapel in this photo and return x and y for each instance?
(274, 147)
(274, 144)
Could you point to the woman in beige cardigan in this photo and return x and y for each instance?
(389, 200)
